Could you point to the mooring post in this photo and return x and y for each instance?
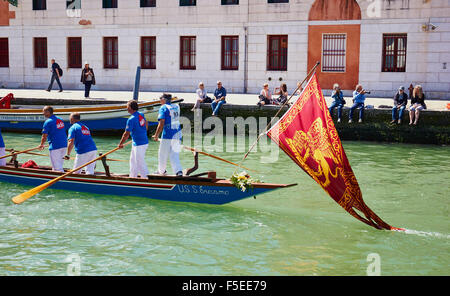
(137, 83)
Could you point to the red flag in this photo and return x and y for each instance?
(306, 133)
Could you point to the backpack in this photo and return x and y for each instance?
(30, 164)
(60, 71)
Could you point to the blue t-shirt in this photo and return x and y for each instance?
(2, 144)
(56, 133)
(171, 115)
(359, 98)
(136, 125)
(82, 138)
(219, 93)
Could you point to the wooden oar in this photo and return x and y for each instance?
(26, 195)
(40, 154)
(213, 156)
(19, 152)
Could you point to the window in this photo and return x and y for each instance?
(230, 52)
(74, 52)
(333, 52)
(39, 4)
(230, 2)
(277, 52)
(187, 53)
(394, 52)
(148, 52)
(188, 2)
(40, 52)
(109, 3)
(277, 1)
(148, 3)
(110, 53)
(4, 52)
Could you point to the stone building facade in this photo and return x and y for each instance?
(381, 44)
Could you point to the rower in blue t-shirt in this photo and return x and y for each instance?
(137, 127)
(2, 143)
(80, 137)
(2, 150)
(169, 125)
(54, 131)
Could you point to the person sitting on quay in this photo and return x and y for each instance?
(265, 97)
(2, 150)
(137, 127)
(338, 101)
(299, 89)
(220, 96)
(358, 102)
(400, 101)
(80, 137)
(170, 146)
(283, 94)
(202, 96)
(54, 131)
(417, 105)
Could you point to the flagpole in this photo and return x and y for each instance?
(276, 115)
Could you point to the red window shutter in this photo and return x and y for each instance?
(4, 52)
(74, 52)
(40, 52)
(230, 53)
(187, 52)
(148, 52)
(277, 52)
(110, 53)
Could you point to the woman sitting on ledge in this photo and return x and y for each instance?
(282, 91)
(417, 105)
(265, 97)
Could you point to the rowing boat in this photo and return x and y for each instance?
(201, 188)
(98, 118)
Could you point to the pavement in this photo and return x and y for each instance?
(235, 99)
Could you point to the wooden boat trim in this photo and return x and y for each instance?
(154, 181)
(85, 109)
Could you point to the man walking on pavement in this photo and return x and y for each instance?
(56, 74)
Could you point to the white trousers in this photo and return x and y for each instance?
(169, 148)
(57, 159)
(81, 159)
(137, 161)
(2, 153)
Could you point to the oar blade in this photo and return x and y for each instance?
(26, 195)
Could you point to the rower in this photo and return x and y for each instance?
(170, 146)
(2, 150)
(80, 137)
(55, 132)
(137, 127)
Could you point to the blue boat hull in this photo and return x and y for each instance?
(172, 189)
(102, 125)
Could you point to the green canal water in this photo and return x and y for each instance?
(297, 231)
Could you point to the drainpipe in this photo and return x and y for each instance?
(246, 60)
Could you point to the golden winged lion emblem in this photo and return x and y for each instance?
(315, 145)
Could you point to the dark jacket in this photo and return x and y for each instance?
(338, 97)
(400, 100)
(418, 100)
(83, 76)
